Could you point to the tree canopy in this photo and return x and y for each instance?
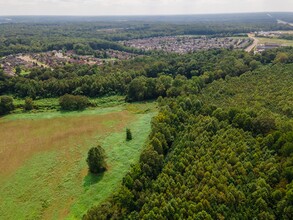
(6, 104)
(225, 152)
(96, 160)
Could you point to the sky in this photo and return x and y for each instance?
(140, 7)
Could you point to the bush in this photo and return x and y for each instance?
(6, 104)
(28, 104)
(96, 160)
(128, 134)
(17, 70)
(71, 102)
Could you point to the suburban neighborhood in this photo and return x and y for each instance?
(255, 42)
(55, 58)
(186, 44)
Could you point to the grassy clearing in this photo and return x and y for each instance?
(121, 154)
(275, 40)
(40, 134)
(57, 114)
(24, 72)
(43, 174)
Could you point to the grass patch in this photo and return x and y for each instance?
(52, 104)
(57, 114)
(275, 41)
(108, 101)
(24, 72)
(40, 104)
(52, 181)
(120, 155)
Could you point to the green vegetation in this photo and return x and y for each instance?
(267, 89)
(18, 70)
(6, 104)
(143, 78)
(28, 104)
(207, 113)
(220, 147)
(51, 105)
(52, 157)
(73, 103)
(128, 134)
(96, 160)
(287, 42)
(221, 153)
(139, 79)
(85, 35)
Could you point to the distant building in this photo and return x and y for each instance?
(267, 46)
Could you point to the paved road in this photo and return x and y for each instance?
(253, 45)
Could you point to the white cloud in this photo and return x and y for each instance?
(135, 7)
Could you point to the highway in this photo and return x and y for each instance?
(253, 45)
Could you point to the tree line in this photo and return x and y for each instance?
(143, 78)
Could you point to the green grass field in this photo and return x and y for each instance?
(276, 41)
(43, 170)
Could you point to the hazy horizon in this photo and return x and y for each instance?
(139, 15)
(142, 8)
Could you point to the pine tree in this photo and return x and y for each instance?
(128, 134)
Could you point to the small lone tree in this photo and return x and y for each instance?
(6, 104)
(128, 135)
(73, 102)
(96, 160)
(28, 104)
(17, 70)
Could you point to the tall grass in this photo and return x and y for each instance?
(52, 182)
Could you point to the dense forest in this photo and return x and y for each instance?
(142, 78)
(223, 152)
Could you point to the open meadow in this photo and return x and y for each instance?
(263, 40)
(43, 169)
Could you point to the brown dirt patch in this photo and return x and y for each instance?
(21, 139)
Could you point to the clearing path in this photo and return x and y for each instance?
(284, 22)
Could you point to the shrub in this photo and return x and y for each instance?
(71, 102)
(6, 104)
(128, 134)
(28, 104)
(17, 70)
(96, 160)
